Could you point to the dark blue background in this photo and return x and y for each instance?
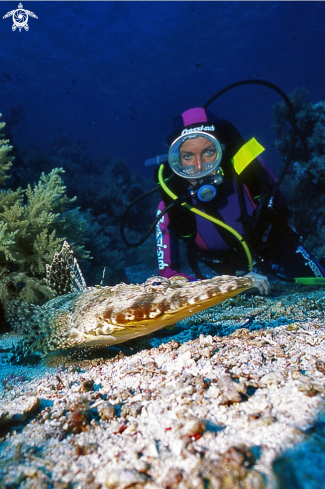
(113, 75)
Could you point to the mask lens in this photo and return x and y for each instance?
(194, 155)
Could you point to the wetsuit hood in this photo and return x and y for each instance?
(200, 119)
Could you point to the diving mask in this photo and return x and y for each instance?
(195, 154)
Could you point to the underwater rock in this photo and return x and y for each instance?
(122, 479)
(106, 410)
(229, 393)
(16, 413)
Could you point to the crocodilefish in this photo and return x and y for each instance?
(81, 316)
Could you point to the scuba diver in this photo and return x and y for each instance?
(221, 199)
(229, 217)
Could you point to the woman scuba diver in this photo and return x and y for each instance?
(221, 199)
(231, 186)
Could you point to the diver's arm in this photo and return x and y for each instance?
(257, 180)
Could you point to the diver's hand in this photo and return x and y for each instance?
(261, 283)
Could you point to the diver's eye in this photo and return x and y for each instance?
(187, 157)
(210, 152)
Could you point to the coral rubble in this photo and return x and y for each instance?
(237, 411)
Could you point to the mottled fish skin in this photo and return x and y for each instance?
(110, 315)
(103, 316)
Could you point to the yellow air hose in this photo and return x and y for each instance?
(206, 216)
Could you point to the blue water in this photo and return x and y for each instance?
(114, 75)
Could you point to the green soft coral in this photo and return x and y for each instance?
(31, 224)
(305, 180)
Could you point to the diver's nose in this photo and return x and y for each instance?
(198, 163)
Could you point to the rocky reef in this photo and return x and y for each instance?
(305, 179)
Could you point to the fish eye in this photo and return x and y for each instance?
(156, 281)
